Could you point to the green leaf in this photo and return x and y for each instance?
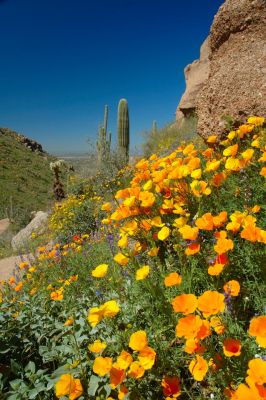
(33, 393)
(30, 367)
(93, 385)
(15, 384)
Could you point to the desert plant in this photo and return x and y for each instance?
(103, 142)
(170, 136)
(58, 187)
(123, 131)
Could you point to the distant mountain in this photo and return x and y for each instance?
(25, 177)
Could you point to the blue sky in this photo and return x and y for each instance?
(63, 60)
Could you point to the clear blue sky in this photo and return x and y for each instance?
(63, 60)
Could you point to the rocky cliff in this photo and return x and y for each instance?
(230, 76)
(29, 143)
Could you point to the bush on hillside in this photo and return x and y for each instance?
(170, 136)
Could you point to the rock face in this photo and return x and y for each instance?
(37, 225)
(235, 83)
(195, 74)
(29, 143)
(9, 266)
(4, 225)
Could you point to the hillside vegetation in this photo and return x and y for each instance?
(155, 286)
(25, 179)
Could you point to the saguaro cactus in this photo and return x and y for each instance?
(104, 140)
(123, 131)
(154, 127)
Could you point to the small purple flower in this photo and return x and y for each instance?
(228, 302)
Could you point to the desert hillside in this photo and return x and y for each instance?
(25, 177)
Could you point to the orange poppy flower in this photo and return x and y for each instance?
(185, 303)
(147, 199)
(232, 347)
(122, 392)
(198, 367)
(232, 288)
(188, 327)
(138, 340)
(212, 165)
(244, 129)
(232, 164)
(231, 150)
(153, 252)
(164, 233)
(205, 329)
(136, 370)
(243, 392)
(263, 171)
(106, 207)
(220, 219)
(11, 280)
(211, 303)
(256, 372)
(257, 121)
(189, 233)
(120, 213)
(233, 226)
(97, 346)
(67, 385)
(247, 155)
(217, 325)
(192, 249)
(124, 360)
(194, 346)
(171, 386)
(251, 233)
(130, 227)
(257, 328)
(121, 259)
(172, 279)
(102, 365)
(117, 375)
(147, 357)
(212, 139)
(57, 295)
(199, 188)
(196, 174)
(205, 222)
(216, 269)
(208, 152)
(223, 245)
(218, 179)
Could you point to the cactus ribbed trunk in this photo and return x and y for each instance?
(123, 131)
(154, 127)
(103, 143)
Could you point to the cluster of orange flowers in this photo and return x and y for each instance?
(155, 211)
(125, 365)
(58, 294)
(254, 389)
(162, 187)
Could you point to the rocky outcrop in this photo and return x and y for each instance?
(29, 143)
(195, 74)
(4, 225)
(236, 81)
(9, 266)
(37, 225)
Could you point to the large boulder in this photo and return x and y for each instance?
(9, 266)
(236, 82)
(195, 74)
(4, 225)
(37, 225)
